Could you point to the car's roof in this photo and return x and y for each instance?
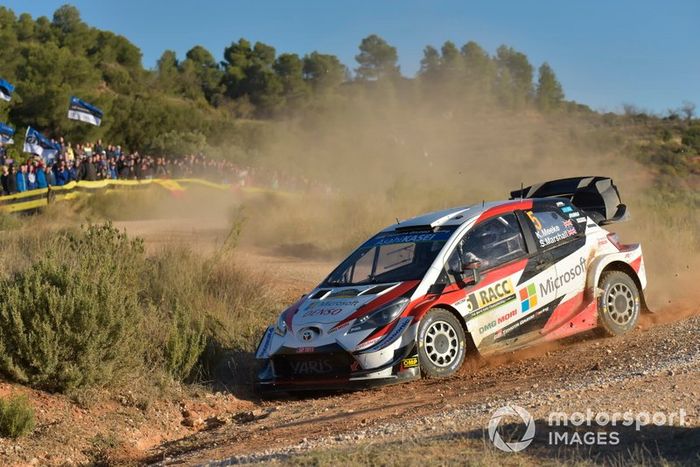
(447, 217)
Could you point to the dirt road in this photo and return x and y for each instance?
(650, 370)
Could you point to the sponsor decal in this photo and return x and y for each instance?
(323, 312)
(582, 220)
(306, 349)
(553, 234)
(333, 304)
(411, 238)
(410, 362)
(551, 285)
(560, 204)
(490, 297)
(568, 223)
(393, 335)
(567, 209)
(528, 298)
(311, 367)
(486, 327)
(574, 214)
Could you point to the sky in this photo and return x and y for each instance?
(605, 53)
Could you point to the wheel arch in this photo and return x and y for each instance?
(471, 346)
(621, 266)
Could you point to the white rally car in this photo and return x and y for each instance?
(422, 293)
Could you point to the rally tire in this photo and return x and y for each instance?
(619, 303)
(441, 344)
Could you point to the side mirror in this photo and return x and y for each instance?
(467, 274)
(471, 274)
(471, 266)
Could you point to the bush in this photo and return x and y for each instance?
(186, 342)
(691, 137)
(73, 317)
(16, 417)
(85, 309)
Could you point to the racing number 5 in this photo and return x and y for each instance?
(535, 221)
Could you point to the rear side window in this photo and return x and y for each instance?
(494, 242)
(551, 226)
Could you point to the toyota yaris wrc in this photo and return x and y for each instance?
(421, 294)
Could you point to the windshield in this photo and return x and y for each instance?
(390, 257)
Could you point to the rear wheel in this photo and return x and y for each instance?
(441, 343)
(618, 305)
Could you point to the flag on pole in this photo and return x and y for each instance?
(36, 143)
(6, 134)
(6, 90)
(84, 112)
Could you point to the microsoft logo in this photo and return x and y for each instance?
(528, 297)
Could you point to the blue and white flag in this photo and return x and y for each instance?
(6, 134)
(6, 90)
(36, 143)
(84, 112)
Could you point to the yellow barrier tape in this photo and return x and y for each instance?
(34, 199)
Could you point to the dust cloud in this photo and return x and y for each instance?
(373, 160)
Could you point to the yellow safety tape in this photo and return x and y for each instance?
(73, 190)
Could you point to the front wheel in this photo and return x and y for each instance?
(618, 305)
(441, 344)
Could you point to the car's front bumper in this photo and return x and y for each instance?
(332, 368)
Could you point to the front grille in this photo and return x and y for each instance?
(318, 365)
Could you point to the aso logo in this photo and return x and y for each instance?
(511, 411)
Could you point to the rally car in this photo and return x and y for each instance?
(420, 295)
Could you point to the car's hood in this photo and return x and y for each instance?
(332, 305)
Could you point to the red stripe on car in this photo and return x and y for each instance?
(505, 208)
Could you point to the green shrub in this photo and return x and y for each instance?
(73, 317)
(186, 342)
(691, 137)
(16, 417)
(84, 309)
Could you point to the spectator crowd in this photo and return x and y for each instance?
(96, 161)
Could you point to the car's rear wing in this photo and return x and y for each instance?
(596, 196)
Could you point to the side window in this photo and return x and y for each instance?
(492, 243)
(551, 227)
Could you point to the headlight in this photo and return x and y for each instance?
(281, 327)
(381, 317)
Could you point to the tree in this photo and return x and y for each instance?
(249, 72)
(480, 70)
(67, 19)
(290, 70)
(429, 64)
(688, 110)
(514, 75)
(208, 75)
(167, 71)
(377, 59)
(323, 72)
(549, 95)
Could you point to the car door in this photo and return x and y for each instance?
(558, 229)
(492, 303)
